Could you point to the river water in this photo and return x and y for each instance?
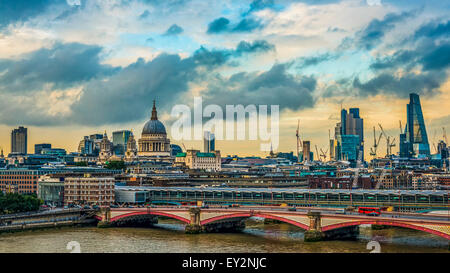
(169, 236)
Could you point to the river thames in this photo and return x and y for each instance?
(169, 236)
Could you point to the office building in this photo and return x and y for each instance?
(19, 140)
(208, 142)
(194, 159)
(119, 141)
(38, 147)
(89, 190)
(86, 146)
(57, 152)
(307, 151)
(348, 143)
(51, 190)
(416, 133)
(348, 147)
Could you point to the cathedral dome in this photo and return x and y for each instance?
(154, 126)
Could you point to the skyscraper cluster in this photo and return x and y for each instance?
(348, 143)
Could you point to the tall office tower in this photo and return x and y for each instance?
(348, 147)
(19, 140)
(96, 140)
(119, 140)
(306, 150)
(209, 142)
(86, 146)
(416, 133)
(442, 149)
(38, 147)
(404, 146)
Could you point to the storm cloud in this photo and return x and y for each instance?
(62, 66)
(108, 95)
(276, 87)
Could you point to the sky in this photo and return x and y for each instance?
(70, 68)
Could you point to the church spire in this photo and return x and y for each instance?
(154, 114)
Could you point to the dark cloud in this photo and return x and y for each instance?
(256, 46)
(12, 11)
(109, 95)
(433, 30)
(219, 57)
(63, 65)
(127, 95)
(218, 25)
(222, 24)
(317, 59)
(274, 87)
(399, 58)
(426, 51)
(247, 25)
(427, 56)
(211, 58)
(174, 30)
(257, 5)
(401, 86)
(438, 58)
(373, 34)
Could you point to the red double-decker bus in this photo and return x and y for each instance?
(369, 211)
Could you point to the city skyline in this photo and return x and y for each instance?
(233, 146)
(303, 56)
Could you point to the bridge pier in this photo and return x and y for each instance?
(315, 233)
(106, 218)
(194, 226)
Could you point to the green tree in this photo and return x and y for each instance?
(115, 165)
(14, 202)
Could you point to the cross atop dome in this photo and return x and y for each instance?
(154, 113)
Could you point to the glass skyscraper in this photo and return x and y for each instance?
(416, 133)
(120, 139)
(349, 136)
(209, 142)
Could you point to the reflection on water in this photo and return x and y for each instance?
(168, 236)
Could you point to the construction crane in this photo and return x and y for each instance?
(317, 153)
(298, 141)
(445, 136)
(373, 150)
(184, 147)
(389, 143)
(323, 154)
(329, 148)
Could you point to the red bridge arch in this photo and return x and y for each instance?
(248, 215)
(156, 213)
(387, 223)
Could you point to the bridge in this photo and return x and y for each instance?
(46, 219)
(319, 224)
(400, 200)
